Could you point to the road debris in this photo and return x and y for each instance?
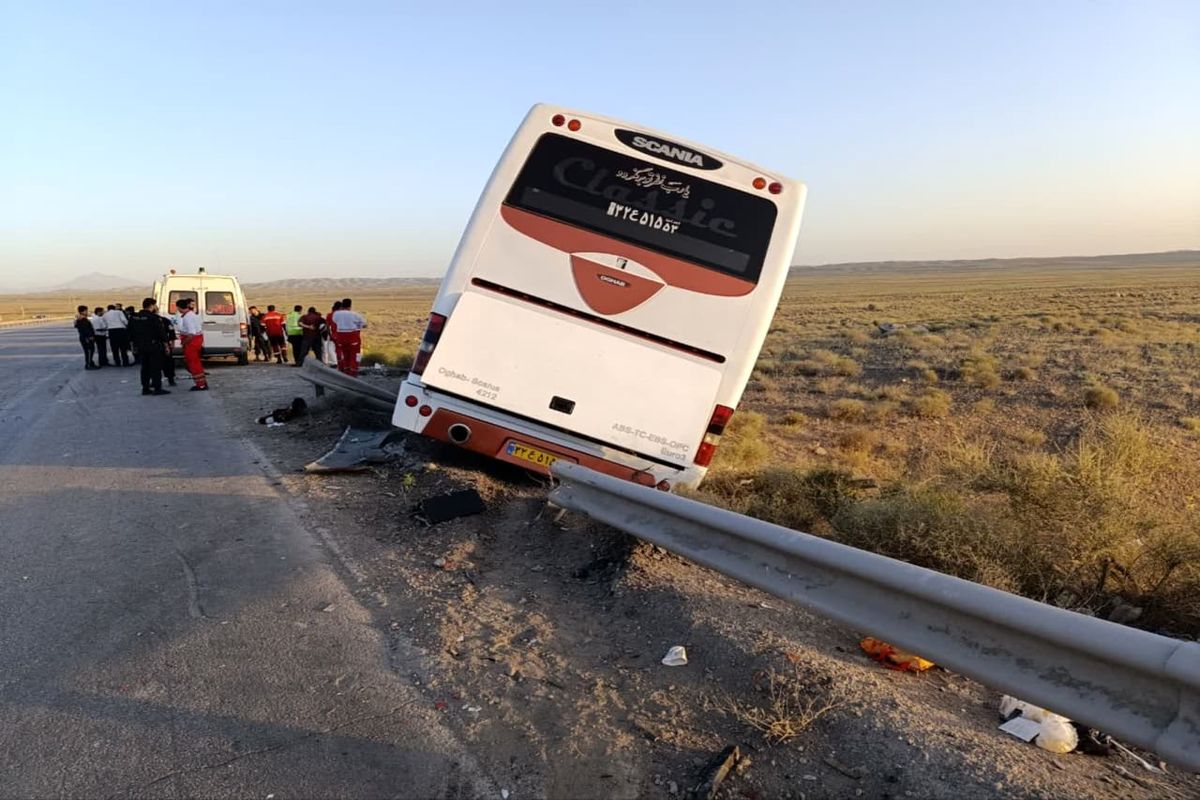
(892, 657)
(675, 657)
(358, 450)
(462, 503)
(717, 769)
(1027, 722)
(284, 414)
(850, 772)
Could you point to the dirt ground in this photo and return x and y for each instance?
(541, 642)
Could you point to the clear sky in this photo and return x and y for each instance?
(290, 139)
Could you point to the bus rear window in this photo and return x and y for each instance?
(219, 304)
(178, 295)
(645, 204)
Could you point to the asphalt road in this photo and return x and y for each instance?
(168, 627)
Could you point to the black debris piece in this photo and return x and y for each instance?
(462, 503)
(285, 414)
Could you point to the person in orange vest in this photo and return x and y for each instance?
(273, 324)
(191, 334)
(348, 325)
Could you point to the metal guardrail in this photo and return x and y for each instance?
(20, 323)
(1137, 686)
(320, 375)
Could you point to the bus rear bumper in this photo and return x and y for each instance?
(521, 442)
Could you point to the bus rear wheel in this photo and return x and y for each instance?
(243, 358)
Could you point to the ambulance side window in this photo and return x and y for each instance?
(179, 295)
(219, 304)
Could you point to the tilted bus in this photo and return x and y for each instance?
(606, 303)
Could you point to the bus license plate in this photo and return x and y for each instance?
(531, 454)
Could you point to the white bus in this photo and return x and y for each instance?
(606, 303)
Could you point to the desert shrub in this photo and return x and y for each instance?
(1031, 437)
(928, 375)
(847, 408)
(931, 527)
(793, 419)
(389, 355)
(785, 704)
(1023, 374)
(892, 392)
(858, 439)
(826, 386)
(846, 366)
(930, 404)
(983, 406)
(742, 446)
(980, 369)
(1191, 424)
(794, 497)
(1100, 397)
(882, 409)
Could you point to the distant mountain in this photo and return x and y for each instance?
(1174, 258)
(97, 281)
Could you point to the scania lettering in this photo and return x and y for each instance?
(606, 303)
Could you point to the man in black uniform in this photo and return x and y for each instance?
(87, 337)
(168, 362)
(147, 331)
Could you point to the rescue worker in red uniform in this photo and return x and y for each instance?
(191, 334)
(349, 325)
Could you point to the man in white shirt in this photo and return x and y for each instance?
(348, 325)
(118, 335)
(191, 334)
(101, 329)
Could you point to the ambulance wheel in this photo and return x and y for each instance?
(243, 359)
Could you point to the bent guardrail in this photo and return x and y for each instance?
(318, 374)
(1137, 686)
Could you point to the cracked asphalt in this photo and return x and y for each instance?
(168, 627)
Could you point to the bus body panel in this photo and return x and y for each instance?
(630, 393)
(614, 358)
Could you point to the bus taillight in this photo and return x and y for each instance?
(712, 436)
(775, 188)
(433, 332)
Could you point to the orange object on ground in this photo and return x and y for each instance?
(893, 658)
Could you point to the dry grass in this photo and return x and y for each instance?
(785, 704)
(1100, 397)
(1070, 475)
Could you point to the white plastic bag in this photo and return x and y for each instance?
(675, 657)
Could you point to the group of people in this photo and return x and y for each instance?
(146, 338)
(336, 336)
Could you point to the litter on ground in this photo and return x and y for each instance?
(892, 657)
(675, 657)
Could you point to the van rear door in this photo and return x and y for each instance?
(601, 383)
(219, 313)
